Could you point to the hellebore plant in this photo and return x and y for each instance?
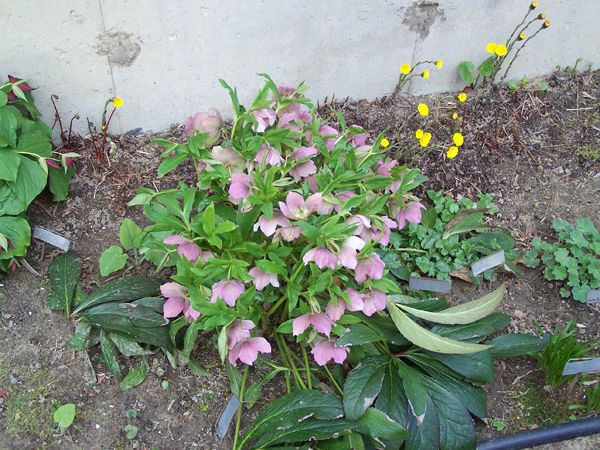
(274, 250)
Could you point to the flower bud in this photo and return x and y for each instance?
(546, 24)
(533, 5)
(203, 122)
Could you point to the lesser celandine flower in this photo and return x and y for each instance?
(491, 47)
(424, 141)
(405, 69)
(452, 152)
(462, 97)
(458, 139)
(117, 102)
(439, 63)
(425, 74)
(385, 143)
(501, 50)
(423, 109)
(419, 134)
(455, 115)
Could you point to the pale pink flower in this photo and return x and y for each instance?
(238, 331)
(311, 181)
(383, 168)
(263, 279)
(286, 91)
(187, 248)
(321, 257)
(362, 223)
(289, 234)
(356, 300)
(268, 155)
(336, 311)
(203, 122)
(177, 302)
(247, 350)
(343, 197)
(326, 350)
(294, 117)
(381, 232)
(326, 207)
(359, 139)
(373, 301)
(412, 214)
(241, 184)
(370, 267)
(264, 117)
(296, 208)
(229, 158)
(321, 322)
(305, 166)
(362, 151)
(347, 255)
(228, 291)
(329, 135)
(268, 226)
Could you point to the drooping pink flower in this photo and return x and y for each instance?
(383, 168)
(356, 300)
(305, 166)
(187, 248)
(263, 279)
(370, 267)
(177, 302)
(311, 181)
(347, 255)
(380, 233)
(203, 122)
(362, 223)
(321, 322)
(247, 350)
(264, 117)
(321, 257)
(359, 139)
(293, 117)
(289, 234)
(329, 135)
(362, 151)
(286, 91)
(336, 311)
(326, 350)
(23, 86)
(268, 155)
(231, 159)
(296, 208)
(238, 331)
(373, 301)
(228, 291)
(343, 197)
(268, 226)
(412, 214)
(241, 184)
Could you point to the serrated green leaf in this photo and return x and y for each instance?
(511, 345)
(109, 356)
(64, 272)
(122, 290)
(362, 385)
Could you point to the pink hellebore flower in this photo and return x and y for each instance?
(238, 331)
(351, 246)
(296, 208)
(247, 350)
(187, 248)
(326, 350)
(305, 168)
(268, 155)
(362, 223)
(228, 291)
(356, 300)
(203, 122)
(239, 189)
(383, 168)
(380, 234)
(321, 257)
(265, 118)
(263, 279)
(329, 135)
(24, 87)
(268, 226)
(321, 322)
(289, 233)
(369, 267)
(177, 302)
(412, 214)
(335, 312)
(373, 302)
(343, 197)
(231, 159)
(359, 139)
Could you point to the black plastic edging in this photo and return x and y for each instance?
(546, 435)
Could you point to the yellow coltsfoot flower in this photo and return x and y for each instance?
(462, 97)
(455, 116)
(405, 69)
(501, 50)
(546, 24)
(541, 16)
(423, 109)
(385, 143)
(425, 74)
(533, 5)
(419, 134)
(424, 141)
(452, 152)
(117, 102)
(522, 36)
(439, 63)
(458, 139)
(491, 47)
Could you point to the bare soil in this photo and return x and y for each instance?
(538, 152)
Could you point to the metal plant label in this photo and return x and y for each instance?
(488, 262)
(227, 416)
(593, 296)
(584, 365)
(51, 238)
(429, 284)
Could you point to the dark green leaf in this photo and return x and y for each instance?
(127, 346)
(64, 272)
(478, 367)
(414, 389)
(8, 127)
(135, 377)
(377, 424)
(362, 386)
(58, 182)
(121, 290)
(476, 330)
(465, 71)
(510, 345)
(109, 356)
(306, 430)
(81, 337)
(487, 67)
(9, 164)
(171, 164)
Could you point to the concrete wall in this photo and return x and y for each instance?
(164, 57)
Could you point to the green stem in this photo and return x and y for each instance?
(331, 377)
(410, 249)
(288, 360)
(276, 305)
(238, 421)
(307, 366)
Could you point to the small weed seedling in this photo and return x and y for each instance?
(64, 416)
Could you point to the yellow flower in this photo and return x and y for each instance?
(425, 74)
(546, 24)
(117, 102)
(491, 47)
(462, 97)
(452, 152)
(522, 36)
(419, 134)
(439, 63)
(455, 116)
(384, 143)
(405, 69)
(424, 141)
(423, 109)
(542, 16)
(501, 50)
(533, 5)
(458, 139)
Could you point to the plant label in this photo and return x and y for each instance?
(51, 238)
(584, 365)
(593, 296)
(227, 416)
(429, 284)
(488, 262)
